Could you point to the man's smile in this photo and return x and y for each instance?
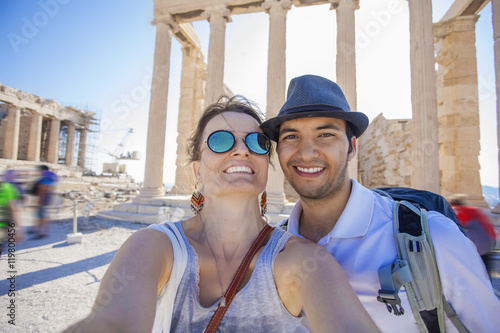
(309, 171)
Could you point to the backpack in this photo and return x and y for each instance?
(415, 267)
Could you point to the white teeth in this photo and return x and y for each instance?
(309, 170)
(239, 169)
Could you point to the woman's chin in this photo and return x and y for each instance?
(240, 188)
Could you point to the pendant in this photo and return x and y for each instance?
(222, 303)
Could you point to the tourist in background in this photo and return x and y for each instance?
(14, 177)
(11, 230)
(477, 226)
(44, 189)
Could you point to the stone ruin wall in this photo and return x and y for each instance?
(384, 153)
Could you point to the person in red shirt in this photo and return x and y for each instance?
(476, 224)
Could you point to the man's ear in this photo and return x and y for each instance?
(196, 170)
(351, 155)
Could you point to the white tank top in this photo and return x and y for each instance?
(255, 308)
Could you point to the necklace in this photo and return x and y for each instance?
(223, 298)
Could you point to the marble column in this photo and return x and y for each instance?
(35, 138)
(276, 90)
(346, 58)
(424, 152)
(11, 144)
(53, 149)
(217, 16)
(495, 7)
(82, 148)
(155, 146)
(70, 145)
(184, 177)
(458, 108)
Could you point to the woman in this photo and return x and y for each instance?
(230, 158)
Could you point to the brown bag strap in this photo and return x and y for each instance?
(238, 278)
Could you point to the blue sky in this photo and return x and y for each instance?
(98, 56)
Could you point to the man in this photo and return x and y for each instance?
(316, 134)
(44, 190)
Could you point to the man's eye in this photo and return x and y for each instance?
(326, 135)
(289, 137)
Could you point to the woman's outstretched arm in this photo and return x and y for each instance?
(126, 300)
(309, 278)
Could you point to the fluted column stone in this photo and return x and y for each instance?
(276, 87)
(157, 123)
(189, 108)
(70, 145)
(11, 144)
(35, 138)
(346, 58)
(82, 148)
(53, 148)
(217, 17)
(424, 134)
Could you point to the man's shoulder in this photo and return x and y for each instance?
(441, 224)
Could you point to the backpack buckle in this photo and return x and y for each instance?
(392, 301)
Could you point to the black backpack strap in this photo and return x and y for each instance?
(284, 225)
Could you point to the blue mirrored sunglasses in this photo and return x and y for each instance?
(223, 141)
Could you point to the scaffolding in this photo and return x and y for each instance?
(93, 130)
(93, 144)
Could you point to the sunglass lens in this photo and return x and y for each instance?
(220, 142)
(258, 143)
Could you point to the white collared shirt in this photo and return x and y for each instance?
(362, 241)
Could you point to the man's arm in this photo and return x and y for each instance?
(466, 284)
(126, 300)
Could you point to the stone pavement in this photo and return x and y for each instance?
(56, 283)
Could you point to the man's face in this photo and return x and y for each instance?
(313, 153)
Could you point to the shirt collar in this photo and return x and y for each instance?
(354, 221)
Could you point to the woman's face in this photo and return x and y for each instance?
(237, 171)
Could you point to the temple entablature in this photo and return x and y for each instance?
(46, 107)
(33, 128)
(190, 11)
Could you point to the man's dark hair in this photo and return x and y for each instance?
(349, 133)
